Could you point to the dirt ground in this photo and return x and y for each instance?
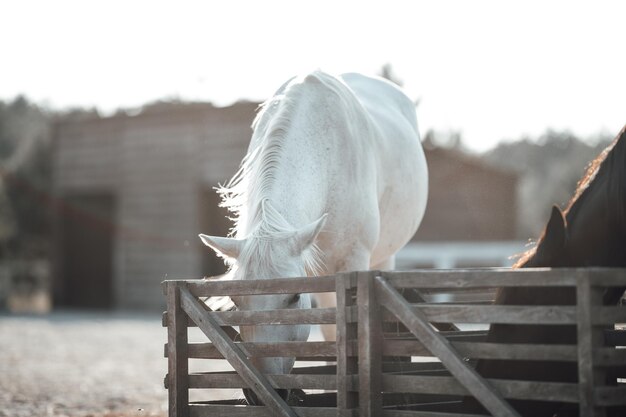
(76, 363)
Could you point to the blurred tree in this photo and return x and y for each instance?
(25, 169)
(549, 169)
(451, 139)
(8, 227)
(388, 73)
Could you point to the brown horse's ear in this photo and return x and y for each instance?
(554, 237)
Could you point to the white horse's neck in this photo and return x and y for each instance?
(287, 164)
(283, 183)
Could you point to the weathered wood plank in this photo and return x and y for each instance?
(229, 330)
(177, 362)
(215, 380)
(277, 317)
(210, 288)
(483, 350)
(521, 390)
(418, 324)
(236, 358)
(481, 278)
(540, 391)
(215, 410)
(504, 314)
(499, 277)
(413, 295)
(370, 346)
(347, 399)
(310, 350)
(605, 277)
(406, 413)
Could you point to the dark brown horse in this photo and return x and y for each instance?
(591, 231)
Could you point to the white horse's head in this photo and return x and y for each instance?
(263, 256)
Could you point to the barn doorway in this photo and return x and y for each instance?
(88, 229)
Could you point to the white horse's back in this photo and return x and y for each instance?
(401, 166)
(403, 202)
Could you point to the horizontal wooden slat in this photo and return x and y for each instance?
(210, 288)
(392, 347)
(485, 278)
(477, 278)
(437, 313)
(275, 317)
(539, 391)
(462, 313)
(407, 413)
(606, 277)
(270, 317)
(213, 380)
(320, 350)
(538, 352)
(215, 410)
(327, 350)
(522, 390)
(453, 280)
(483, 350)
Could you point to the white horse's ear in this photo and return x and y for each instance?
(306, 236)
(224, 246)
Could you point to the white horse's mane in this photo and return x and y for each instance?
(246, 195)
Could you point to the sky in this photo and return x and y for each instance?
(491, 70)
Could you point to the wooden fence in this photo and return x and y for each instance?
(383, 320)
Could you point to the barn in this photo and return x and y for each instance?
(134, 191)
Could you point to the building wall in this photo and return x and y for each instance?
(157, 166)
(156, 211)
(85, 153)
(468, 200)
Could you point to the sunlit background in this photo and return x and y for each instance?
(118, 118)
(492, 70)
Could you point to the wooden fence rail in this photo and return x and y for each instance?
(386, 321)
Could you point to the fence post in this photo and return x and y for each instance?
(347, 398)
(177, 359)
(590, 337)
(370, 346)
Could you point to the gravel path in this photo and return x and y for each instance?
(82, 364)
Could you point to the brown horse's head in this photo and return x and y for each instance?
(591, 231)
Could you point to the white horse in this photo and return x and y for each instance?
(334, 180)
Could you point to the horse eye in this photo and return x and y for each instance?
(294, 299)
